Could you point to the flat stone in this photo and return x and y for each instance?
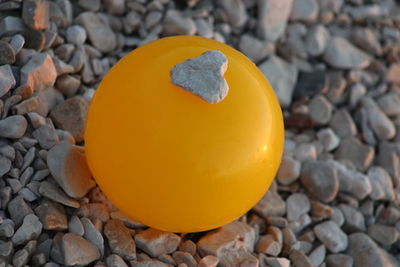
(367, 253)
(341, 54)
(67, 164)
(70, 115)
(30, 229)
(305, 10)
(317, 40)
(46, 136)
(156, 242)
(272, 18)
(120, 239)
(339, 260)
(255, 48)
(36, 14)
(270, 205)
(238, 258)
(78, 251)
(18, 210)
(54, 193)
(297, 205)
(381, 184)
(320, 180)
(289, 170)
(203, 76)
(382, 126)
(7, 54)
(383, 234)
(321, 109)
(352, 150)
(115, 261)
(93, 235)
(7, 80)
(352, 182)
(354, 219)
(52, 216)
(13, 127)
(39, 73)
(236, 11)
(330, 234)
(233, 235)
(100, 34)
(176, 23)
(76, 35)
(282, 77)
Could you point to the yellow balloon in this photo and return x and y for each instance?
(172, 161)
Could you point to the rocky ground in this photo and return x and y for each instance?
(335, 66)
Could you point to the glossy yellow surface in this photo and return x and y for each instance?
(169, 159)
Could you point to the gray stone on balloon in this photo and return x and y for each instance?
(203, 76)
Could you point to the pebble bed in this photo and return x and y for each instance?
(335, 67)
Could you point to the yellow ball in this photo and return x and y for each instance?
(172, 161)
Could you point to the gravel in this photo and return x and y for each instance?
(335, 68)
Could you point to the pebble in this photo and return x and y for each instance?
(7, 54)
(7, 228)
(352, 182)
(176, 23)
(367, 253)
(36, 14)
(70, 115)
(270, 205)
(297, 205)
(13, 127)
(11, 25)
(46, 136)
(54, 193)
(317, 40)
(78, 251)
(5, 165)
(67, 164)
(233, 235)
(382, 126)
(298, 258)
(383, 234)
(76, 35)
(268, 245)
(320, 180)
(236, 12)
(321, 109)
(289, 170)
(30, 229)
(353, 151)
(282, 77)
(208, 261)
(18, 210)
(75, 226)
(305, 10)
(7, 80)
(393, 74)
(317, 256)
(330, 234)
(38, 74)
(100, 34)
(354, 220)
(339, 260)
(367, 40)
(388, 159)
(381, 183)
(255, 48)
(305, 151)
(52, 216)
(328, 138)
(186, 258)
(156, 242)
(68, 85)
(120, 239)
(310, 83)
(343, 124)
(92, 234)
(115, 261)
(272, 18)
(17, 42)
(390, 104)
(341, 54)
(203, 76)
(238, 258)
